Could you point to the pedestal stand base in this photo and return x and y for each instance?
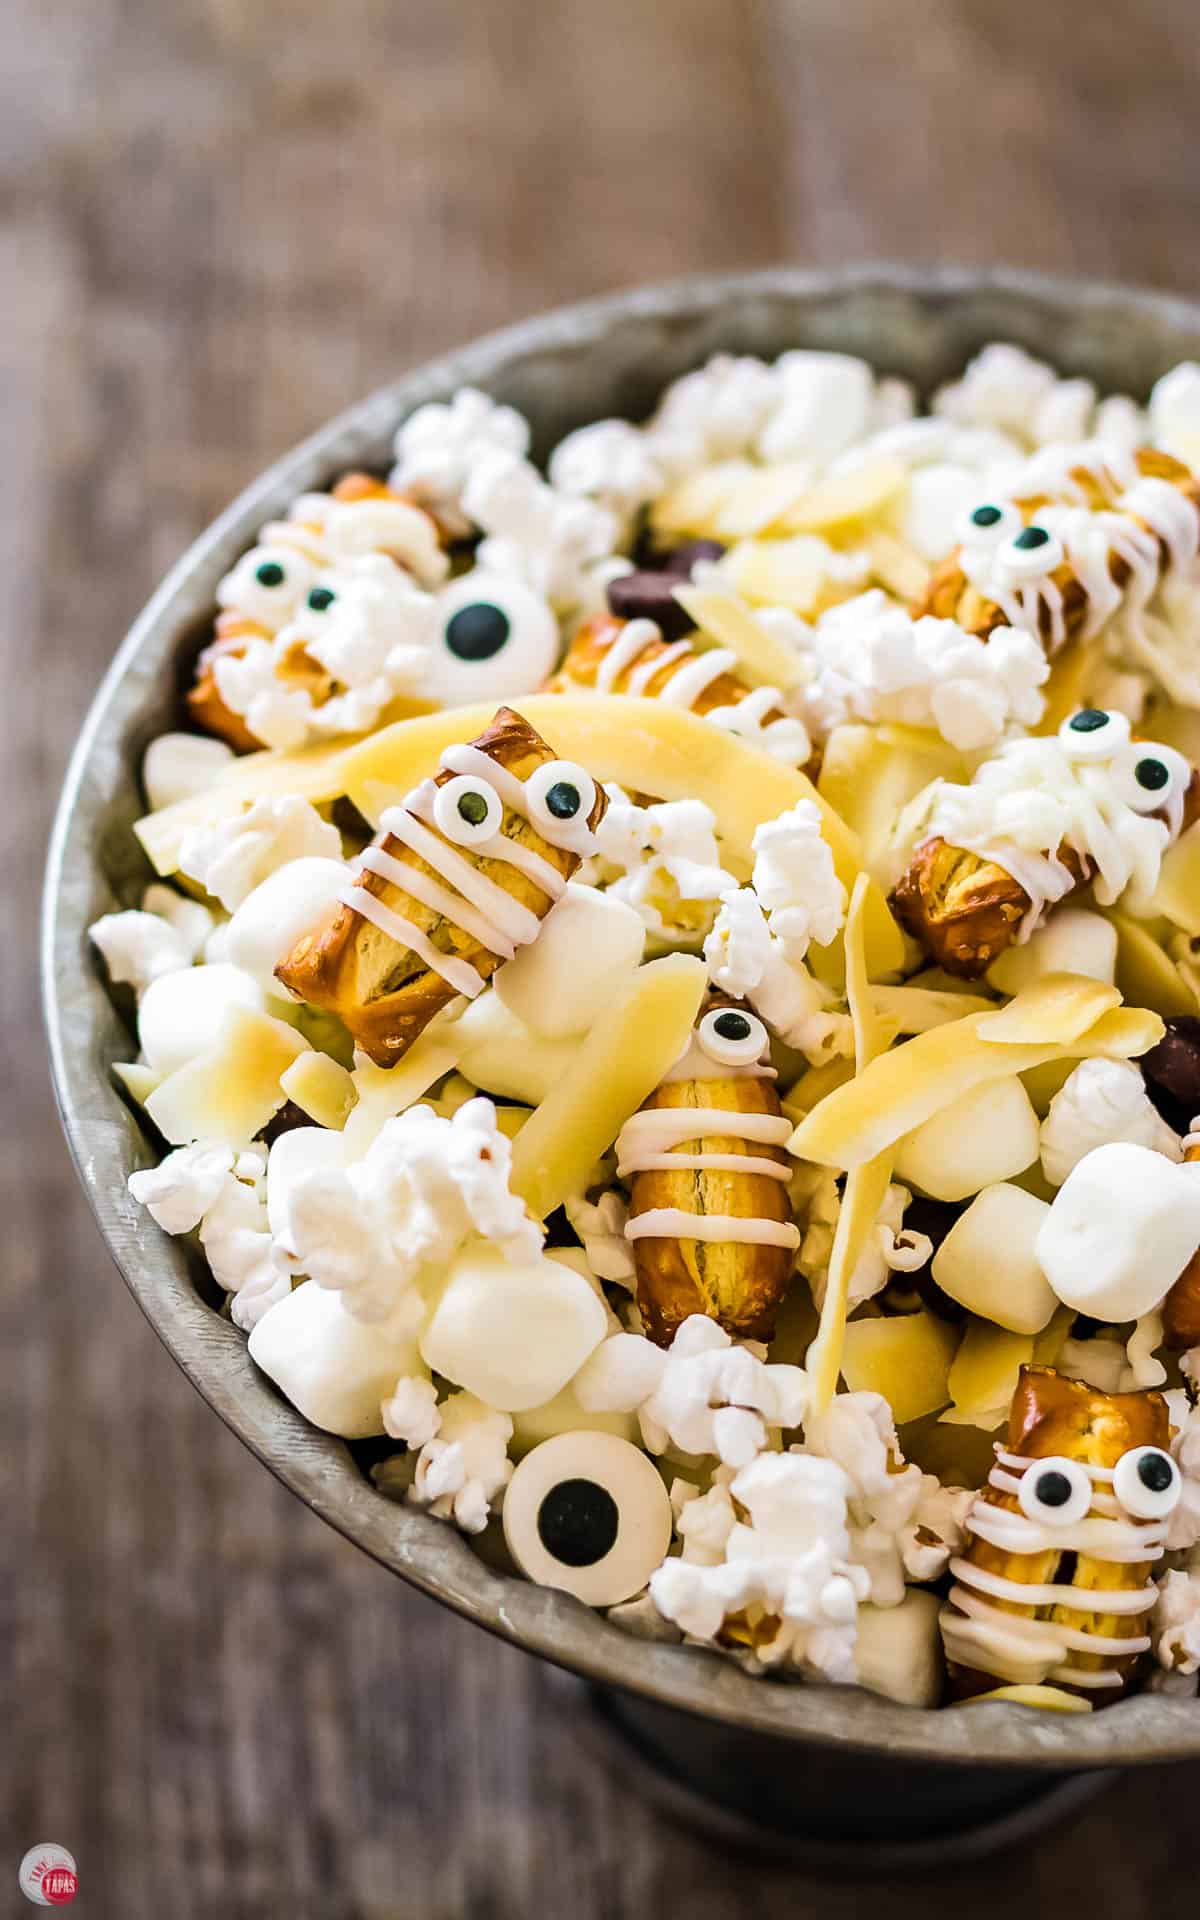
(825, 1810)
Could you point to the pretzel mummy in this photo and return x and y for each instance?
(1055, 1585)
(631, 656)
(710, 1220)
(296, 543)
(1094, 525)
(966, 906)
(459, 876)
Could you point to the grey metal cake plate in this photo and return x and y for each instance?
(581, 363)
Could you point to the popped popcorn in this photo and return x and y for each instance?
(462, 1472)
(162, 936)
(223, 1194)
(786, 1570)
(374, 1229)
(438, 447)
(1100, 1101)
(1175, 1622)
(664, 861)
(892, 1247)
(232, 857)
(544, 537)
(703, 1395)
(611, 463)
(411, 1413)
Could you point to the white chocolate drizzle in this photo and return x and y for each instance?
(692, 676)
(1014, 1647)
(647, 1143)
(470, 900)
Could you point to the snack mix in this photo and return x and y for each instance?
(670, 1002)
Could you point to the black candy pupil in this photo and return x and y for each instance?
(1089, 720)
(577, 1522)
(1053, 1489)
(477, 632)
(320, 598)
(270, 574)
(1031, 537)
(563, 800)
(1155, 1472)
(473, 808)
(985, 516)
(1152, 775)
(732, 1026)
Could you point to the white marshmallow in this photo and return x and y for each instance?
(987, 1261)
(513, 1333)
(1073, 940)
(288, 903)
(1122, 1228)
(935, 501)
(333, 1368)
(563, 981)
(178, 765)
(182, 1013)
(898, 1651)
(990, 1134)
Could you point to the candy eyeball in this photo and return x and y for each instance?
(732, 1038)
(1154, 778)
(495, 637)
(468, 810)
(267, 585)
(1147, 1483)
(588, 1513)
(560, 797)
(320, 598)
(1056, 1491)
(1032, 553)
(1094, 734)
(989, 525)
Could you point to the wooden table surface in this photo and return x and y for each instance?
(221, 221)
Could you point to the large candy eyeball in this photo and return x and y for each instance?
(267, 585)
(1154, 778)
(1147, 1483)
(1094, 734)
(588, 1513)
(732, 1038)
(1056, 1491)
(560, 797)
(989, 524)
(468, 810)
(1033, 552)
(496, 637)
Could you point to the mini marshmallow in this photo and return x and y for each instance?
(287, 904)
(1073, 940)
(512, 1332)
(1120, 1232)
(182, 1012)
(335, 1370)
(178, 765)
(563, 981)
(898, 1652)
(498, 1052)
(299, 1151)
(989, 1135)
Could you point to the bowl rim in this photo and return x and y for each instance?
(317, 1467)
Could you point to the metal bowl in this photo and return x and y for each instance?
(606, 357)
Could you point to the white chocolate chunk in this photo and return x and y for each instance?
(988, 1261)
(1073, 940)
(898, 1651)
(1121, 1230)
(512, 1333)
(229, 1093)
(182, 1012)
(288, 903)
(561, 982)
(335, 1369)
(320, 1088)
(987, 1135)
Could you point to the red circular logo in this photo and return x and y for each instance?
(60, 1886)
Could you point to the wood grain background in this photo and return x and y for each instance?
(221, 221)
